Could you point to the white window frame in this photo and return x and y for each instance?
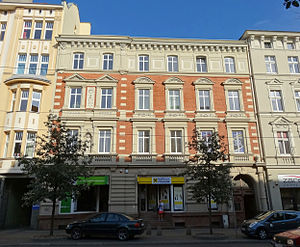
(297, 99)
(229, 63)
(174, 100)
(73, 133)
(204, 100)
(283, 142)
(33, 62)
(45, 64)
(2, 30)
(107, 137)
(22, 61)
(108, 61)
(36, 99)
(143, 140)
(234, 100)
(143, 63)
(172, 84)
(143, 99)
(290, 45)
(201, 64)
(76, 95)
(24, 98)
(276, 99)
(293, 64)
(172, 63)
(78, 57)
(7, 142)
(38, 30)
(30, 143)
(178, 146)
(238, 141)
(18, 140)
(48, 29)
(13, 100)
(26, 28)
(271, 65)
(108, 98)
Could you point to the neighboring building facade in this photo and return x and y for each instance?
(274, 58)
(138, 101)
(27, 79)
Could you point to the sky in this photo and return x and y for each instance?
(203, 19)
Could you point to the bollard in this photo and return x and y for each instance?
(158, 233)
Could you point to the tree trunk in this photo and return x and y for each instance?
(52, 216)
(209, 202)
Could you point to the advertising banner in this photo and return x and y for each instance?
(289, 181)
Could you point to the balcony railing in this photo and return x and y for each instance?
(241, 158)
(103, 158)
(175, 158)
(144, 158)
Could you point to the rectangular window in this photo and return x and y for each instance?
(283, 142)
(229, 64)
(293, 64)
(33, 64)
(18, 143)
(30, 144)
(107, 61)
(176, 141)
(144, 141)
(205, 134)
(144, 99)
(271, 64)
(73, 136)
(78, 61)
(297, 97)
(106, 98)
(24, 100)
(290, 46)
(276, 100)
(6, 144)
(238, 141)
(35, 103)
(204, 100)
(21, 63)
(234, 100)
(2, 31)
(44, 64)
(75, 97)
(104, 141)
(143, 63)
(38, 30)
(174, 99)
(26, 29)
(268, 45)
(48, 30)
(201, 64)
(13, 101)
(172, 63)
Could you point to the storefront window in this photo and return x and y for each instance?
(290, 198)
(178, 197)
(87, 200)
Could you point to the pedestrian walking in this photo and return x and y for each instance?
(161, 210)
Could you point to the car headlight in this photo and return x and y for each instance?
(290, 242)
(252, 224)
(68, 226)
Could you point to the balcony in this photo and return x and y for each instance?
(241, 158)
(143, 158)
(176, 158)
(100, 159)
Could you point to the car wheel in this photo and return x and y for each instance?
(262, 234)
(76, 233)
(123, 234)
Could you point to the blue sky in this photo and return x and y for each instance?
(204, 19)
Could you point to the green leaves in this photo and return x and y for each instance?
(289, 3)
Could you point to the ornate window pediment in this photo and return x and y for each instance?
(174, 81)
(203, 81)
(143, 80)
(107, 78)
(295, 84)
(281, 121)
(75, 77)
(274, 82)
(233, 82)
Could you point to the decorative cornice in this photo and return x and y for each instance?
(143, 80)
(233, 81)
(274, 82)
(173, 81)
(203, 81)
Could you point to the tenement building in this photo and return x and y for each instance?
(138, 100)
(274, 58)
(27, 79)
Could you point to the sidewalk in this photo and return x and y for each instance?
(26, 237)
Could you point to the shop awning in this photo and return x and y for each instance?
(94, 180)
(160, 180)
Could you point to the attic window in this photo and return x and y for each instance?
(51, 11)
(268, 45)
(40, 11)
(29, 11)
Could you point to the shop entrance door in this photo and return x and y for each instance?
(156, 193)
(103, 198)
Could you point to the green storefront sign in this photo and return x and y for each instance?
(65, 205)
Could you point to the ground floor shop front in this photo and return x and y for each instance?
(137, 192)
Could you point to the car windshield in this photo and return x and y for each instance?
(263, 215)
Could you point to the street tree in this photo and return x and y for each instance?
(59, 162)
(206, 171)
(289, 3)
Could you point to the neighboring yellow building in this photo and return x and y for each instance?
(27, 78)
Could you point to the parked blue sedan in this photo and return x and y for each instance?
(108, 224)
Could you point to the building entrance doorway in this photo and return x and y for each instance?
(244, 197)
